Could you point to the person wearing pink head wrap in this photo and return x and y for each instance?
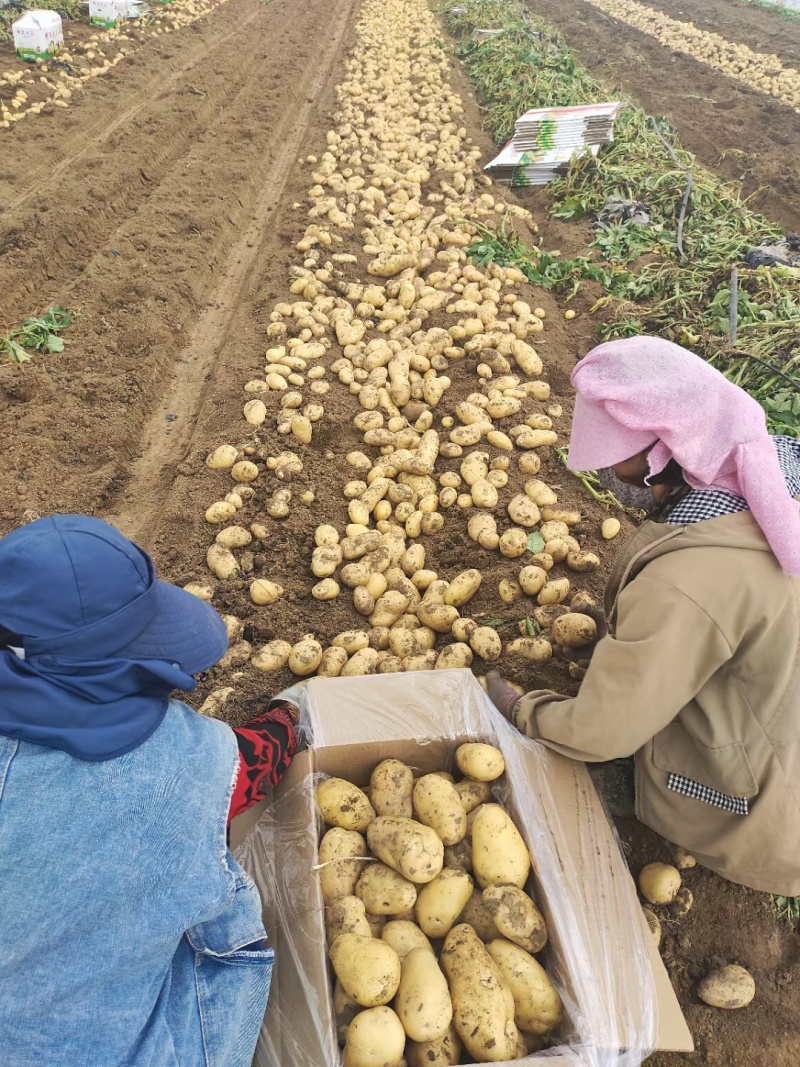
(698, 672)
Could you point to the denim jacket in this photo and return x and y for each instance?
(129, 936)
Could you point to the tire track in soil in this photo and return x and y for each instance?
(182, 400)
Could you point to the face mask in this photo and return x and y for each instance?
(632, 496)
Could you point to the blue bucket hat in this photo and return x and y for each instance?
(103, 640)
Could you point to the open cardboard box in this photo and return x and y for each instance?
(606, 964)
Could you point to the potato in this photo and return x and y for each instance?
(220, 511)
(344, 804)
(574, 630)
(462, 588)
(482, 763)
(305, 657)
(565, 515)
(441, 901)
(532, 580)
(659, 883)
(391, 785)
(375, 1038)
(516, 916)
(729, 987)
(523, 511)
(222, 458)
(216, 701)
(341, 855)
(683, 860)
(681, 905)
(384, 891)
(437, 804)
(472, 793)
(365, 661)
(244, 471)
(654, 923)
(423, 1002)
(351, 641)
(234, 537)
(459, 856)
(463, 629)
(413, 850)
(376, 924)
(554, 592)
(476, 913)
(330, 666)
(439, 617)
(582, 561)
(610, 529)
(499, 854)
(482, 1014)
(513, 543)
(537, 1005)
(346, 915)
(530, 462)
(272, 656)
(404, 935)
(457, 655)
(485, 642)
(367, 967)
(509, 590)
(345, 1010)
(443, 1051)
(327, 589)
(265, 592)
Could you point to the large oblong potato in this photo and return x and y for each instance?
(537, 1005)
(483, 763)
(499, 854)
(472, 793)
(343, 804)
(423, 1002)
(404, 935)
(341, 862)
(438, 805)
(384, 891)
(516, 916)
(367, 967)
(444, 1051)
(391, 785)
(462, 588)
(375, 1038)
(441, 901)
(413, 850)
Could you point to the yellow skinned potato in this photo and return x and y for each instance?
(462, 588)
(482, 1014)
(459, 856)
(391, 785)
(454, 656)
(404, 935)
(344, 805)
(423, 1002)
(375, 1038)
(574, 630)
(384, 891)
(340, 863)
(482, 763)
(413, 850)
(516, 916)
(367, 967)
(476, 912)
(437, 804)
(537, 1005)
(499, 854)
(443, 1051)
(440, 902)
(472, 793)
(346, 915)
(345, 1010)
(485, 642)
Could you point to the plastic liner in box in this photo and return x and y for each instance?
(599, 956)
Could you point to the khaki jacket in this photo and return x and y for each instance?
(699, 676)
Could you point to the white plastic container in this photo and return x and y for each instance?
(37, 35)
(107, 13)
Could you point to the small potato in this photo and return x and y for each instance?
(221, 562)
(509, 590)
(554, 592)
(439, 617)
(683, 860)
(341, 862)
(305, 657)
(472, 793)
(222, 458)
(423, 1002)
(244, 471)
(540, 493)
(729, 987)
(263, 591)
(463, 629)
(516, 916)
(344, 805)
(375, 1038)
(234, 537)
(413, 850)
(462, 588)
(476, 912)
(220, 511)
(391, 787)
(513, 543)
(384, 891)
(443, 1051)
(346, 915)
(272, 656)
(455, 656)
(327, 589)
(485, 642)
(537, 1005)
(523, 511)
(351, 641)
(330, 666)
(404, 936)
(499, 854)
(437, 804)
(532, 649)
(582, 561)
(441, 901)
(459, 856)
(532, 580)
(681, 905)
(365, 661)
(610, 529)
(574, 630)
(556, 514)
(659, 883)
(367, 967)
(482, 763)
(345, 1010)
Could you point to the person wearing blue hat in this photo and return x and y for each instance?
(129, 936)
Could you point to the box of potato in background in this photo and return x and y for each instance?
(107, 13)
(600, 954)
(37, 35)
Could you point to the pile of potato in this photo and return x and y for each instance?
(755, 69)
(430, 932)
(393, 323)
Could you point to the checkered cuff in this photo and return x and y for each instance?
(688, 787)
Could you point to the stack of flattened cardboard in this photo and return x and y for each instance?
(546, 139)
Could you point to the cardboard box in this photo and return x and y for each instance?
(107, 13)
(37, 35)
(605, 962)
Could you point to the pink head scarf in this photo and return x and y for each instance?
(645, 391)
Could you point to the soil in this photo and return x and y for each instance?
(160, 207)
(740, 133)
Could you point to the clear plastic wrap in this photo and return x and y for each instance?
(601, 955)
